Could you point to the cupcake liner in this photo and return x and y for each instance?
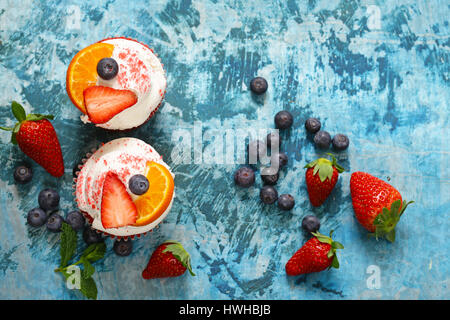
(163, 94)
(89, 219)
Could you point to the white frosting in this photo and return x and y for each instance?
(145, 78)
(125, 157)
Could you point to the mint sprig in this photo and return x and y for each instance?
(91, 254)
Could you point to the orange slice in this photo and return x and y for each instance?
(152, 204)
(82, 71)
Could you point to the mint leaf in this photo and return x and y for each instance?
(68, 244)
(88, 270)
(94, 252)
(88, 287)
(18, 111)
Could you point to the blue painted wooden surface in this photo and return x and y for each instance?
(375, 70)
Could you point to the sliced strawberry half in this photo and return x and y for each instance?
(103, 103)
(118, 209)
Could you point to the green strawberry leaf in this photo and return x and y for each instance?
(176, 248)
(68, 244)
(391, 235)
(6, 128)
(16, 128)
(322, 238)
(324, 167)
(334, 163)
(13, 139)
(37, 117)
(335, 262)
(386, 221)
(337, 245)
(330, 254)
(18, 111)
(334, 246)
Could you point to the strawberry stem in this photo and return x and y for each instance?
(334, 246)
(387, 220)
(21, 116)
(176, 248)
(325, 167)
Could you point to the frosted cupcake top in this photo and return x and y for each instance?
(141, 72)
(125, 158)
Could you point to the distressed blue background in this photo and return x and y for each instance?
(382, 79)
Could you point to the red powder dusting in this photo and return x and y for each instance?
(133, 74)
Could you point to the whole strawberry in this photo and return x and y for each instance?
(378, 206)
(37, 138)
(317, 254)
(321, 177)
(170, 259)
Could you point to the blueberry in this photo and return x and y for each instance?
(244, 177)
(256, 150)
(322, 139)
(138, 184)
(340, 142)
(258, 85)
(36, 217)
(283, 119)
(48, 199)
(311, 223)
(91, 236)
(107, 68)
(281, 157)
(269, 175)
(286, 202)
(54, 223)
(273, 139)
(76, 220)
(312, 125)
(23, 174)
(123, 247)
(268, 194)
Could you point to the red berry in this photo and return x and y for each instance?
(321, 177)
(170, 259)
(378, 206)
(103, 103)
(38, 140)
(317, 254)
(117, 209)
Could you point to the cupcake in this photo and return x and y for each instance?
(124, 188)
(117, 83)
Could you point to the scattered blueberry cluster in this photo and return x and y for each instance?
(322, 139)
(46, 214)
(48, 200)
(245, 176)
